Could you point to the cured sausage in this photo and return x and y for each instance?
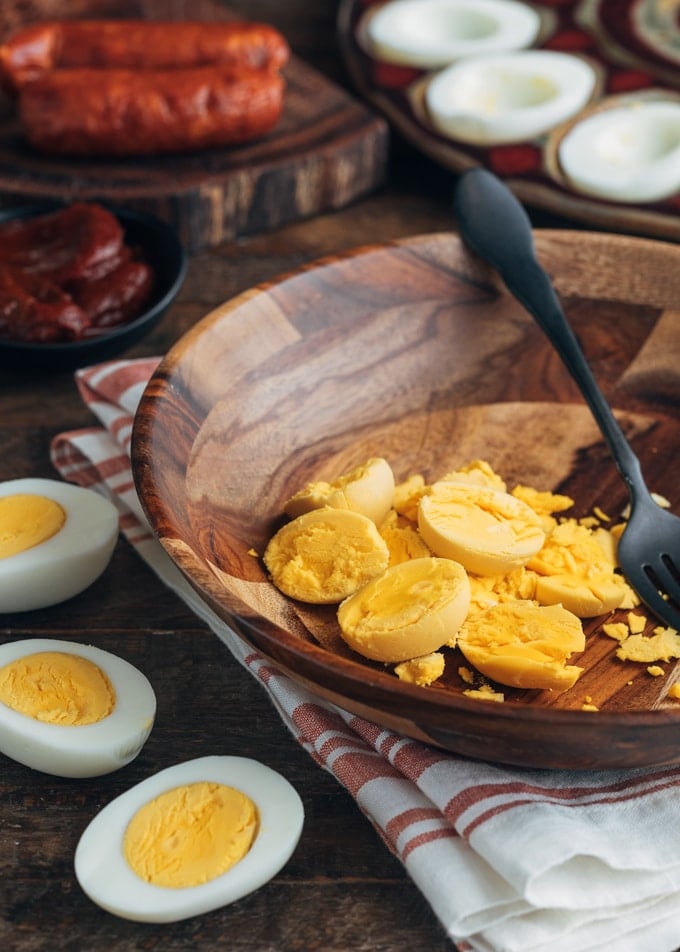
(124, 112)
(137, 44)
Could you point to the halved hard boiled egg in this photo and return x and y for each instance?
(429, 34)
(490, 100)
(627, 153)
(192, 838)
(411, 610)
(71, 710)
(55, 540)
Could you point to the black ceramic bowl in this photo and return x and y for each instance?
(160, 248)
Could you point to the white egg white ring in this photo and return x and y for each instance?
(429, 34)
(109, 881)
(92, 749)
(628, 153)
(515, 97)
(68, 562)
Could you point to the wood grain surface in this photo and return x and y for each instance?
(413, 352)
(343, 891)
(327, 150)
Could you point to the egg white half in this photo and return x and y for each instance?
(627, 153)
(91, 749)
(429, 34)
(514, 97)
(106, 877)
(68, 562)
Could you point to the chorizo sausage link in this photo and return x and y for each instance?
(137, 44)
(123, 112)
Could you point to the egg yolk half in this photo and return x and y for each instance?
(57, 688)
(190, 834)
(27, 520)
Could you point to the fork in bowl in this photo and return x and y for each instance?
(493, 223)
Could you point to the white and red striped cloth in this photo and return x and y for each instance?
(510, 860)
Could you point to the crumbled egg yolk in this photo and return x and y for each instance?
(547, 569)
(26, 520)
(423, 670)
(485, 693)
(57, 688)
(402, 539)
(190, 835)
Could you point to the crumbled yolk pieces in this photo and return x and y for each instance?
(485, 693)
(662, 645)
(190, 835)
(574, 570)
(57, 688)
(402, 538)
(532, 574)
(423, 670)
(26, 520)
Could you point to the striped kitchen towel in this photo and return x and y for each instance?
(510, 860)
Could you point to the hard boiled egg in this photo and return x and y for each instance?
(429, 34)
(71, 710)
(55, 540)
(194, 837)
(490, 100)
(627, 153)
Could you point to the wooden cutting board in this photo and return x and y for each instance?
(327, 150)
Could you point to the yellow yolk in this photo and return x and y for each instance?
(422, 671)
(489, 590)
(402, 538)
(410, 610)
(368, 489)
(407, 496)
(476, 473)
(575, 571)
(524, 645)
(190, 835)
(662, 645)
(488, 531)
(325, 555)
(26, 521)
(57, 688)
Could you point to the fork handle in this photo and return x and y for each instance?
(494, 224)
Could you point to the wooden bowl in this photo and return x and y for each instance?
(415, 352)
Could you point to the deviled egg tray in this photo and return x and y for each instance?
(576, 105)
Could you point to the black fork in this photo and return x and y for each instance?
(494, 224)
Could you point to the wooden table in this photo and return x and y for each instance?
(342, 889)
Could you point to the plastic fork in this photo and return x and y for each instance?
(493, 223)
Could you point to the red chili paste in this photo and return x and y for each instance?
(68, 275)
